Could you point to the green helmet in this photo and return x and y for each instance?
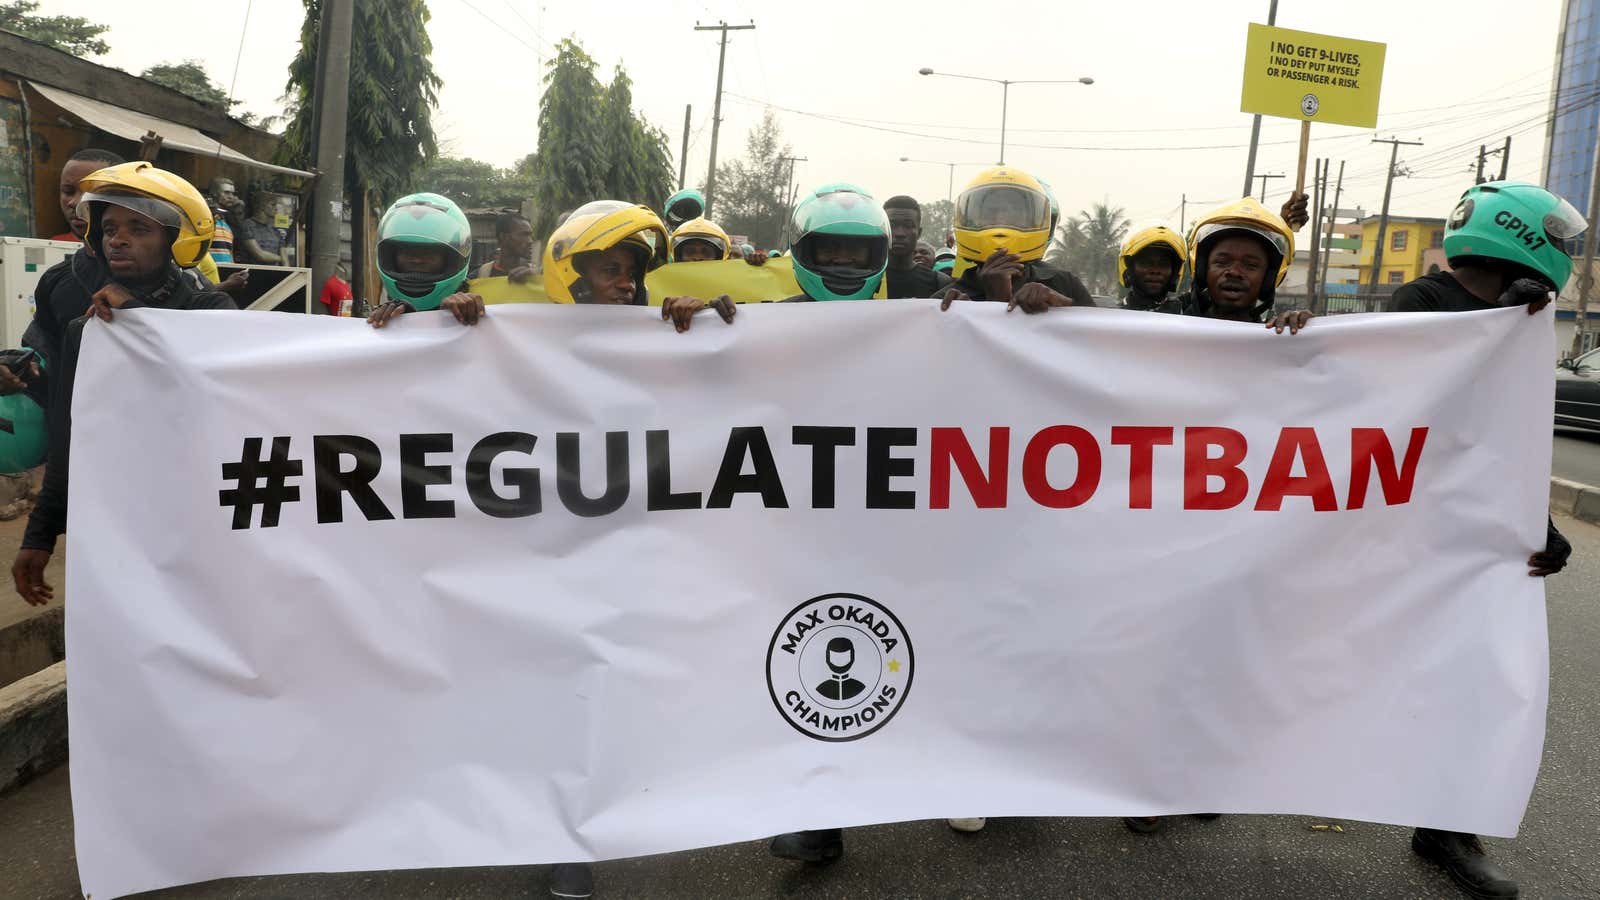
(1518, 223)
(1055, 207)
(681, 207)
(845, 211)
(431, 221)
(23, 437)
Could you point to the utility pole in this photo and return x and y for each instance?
(1586, 275)
(1263, 180)
(1255, 125)
(716, 108)
(1333, 217)
(1183, 216)
(1505, 158)
(1383, 218)
(332, 112)
(1483, 150)
(683, 158)
(788, 193)
(1318, 188)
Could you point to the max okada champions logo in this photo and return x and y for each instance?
(839, 667)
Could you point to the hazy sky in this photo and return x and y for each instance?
(1160, 120)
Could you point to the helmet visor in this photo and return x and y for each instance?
(1002, 206)
(685, 209)
(1564, 226)
(717, 245)
(165, 214)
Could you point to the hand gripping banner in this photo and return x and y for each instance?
(569, 585)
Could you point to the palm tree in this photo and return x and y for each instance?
(1101, 230)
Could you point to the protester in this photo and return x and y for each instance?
(1150, 265)
(144, 225)
(513, 252)
(424, 250)
(681, 207)
(700, 240)
(923, 255)
(906, 278)
(1240, 254)
(78, 165)
(1494, 267)
(225, 203)
(1002, 226)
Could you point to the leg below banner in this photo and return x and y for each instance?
(821, 846)
(571, 880)
(1463, 857)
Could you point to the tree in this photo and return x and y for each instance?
(1093, 238)
(938, 218)
(593, 145)
(750, 191)
(393, 90)
(73, 34)
(473, 183)
(189, 77)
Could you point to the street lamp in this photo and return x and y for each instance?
(1005, 95)
(950, 192)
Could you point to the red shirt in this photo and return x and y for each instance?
(69, 236)
(336, 296)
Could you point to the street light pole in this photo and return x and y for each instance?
(1005, 95)
(950, 189)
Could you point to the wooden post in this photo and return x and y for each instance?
(1300, 167)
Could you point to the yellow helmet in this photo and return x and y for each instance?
(1153, 236)
(598, 226)
(1002, 207)
(1242, 217)
(701, 229)
(152, 192)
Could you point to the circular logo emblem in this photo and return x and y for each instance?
(1309, 104)
(839, 667)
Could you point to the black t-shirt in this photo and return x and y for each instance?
(916, 283)
(1438, 292)
(1169, 303)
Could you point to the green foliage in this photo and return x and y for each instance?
(1087, 245)
(592, 144)
(750, 191)
(189, 77)
(393, 90)
(74, 34)
(473, 184)
(938, 218)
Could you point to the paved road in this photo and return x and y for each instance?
(1557, 855)
(1577, 456)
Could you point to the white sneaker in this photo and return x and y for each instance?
(968, 825)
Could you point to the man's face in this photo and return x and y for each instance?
(905, 227)
(419, 259)
(72, 173)
(1153, 270)
(610, 275)
(224, 194)
(846, 252)
(923, 255)
(697, 251)
(1005, 207)
(135, 246)
(517, 244)
(1235, 272)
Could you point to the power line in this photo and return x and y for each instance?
(503, 27)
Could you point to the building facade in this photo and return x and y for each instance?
(1406, 251)
(1574, 111)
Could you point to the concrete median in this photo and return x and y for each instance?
(1575, 499)
(33, 726)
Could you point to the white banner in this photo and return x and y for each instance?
(569, 585)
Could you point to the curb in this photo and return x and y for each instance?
(33, 726)
(1575, 499)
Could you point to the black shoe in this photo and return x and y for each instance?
(1206, 817)
(571, 880)
(1143, 824)
(1463, 857)
(821, 846)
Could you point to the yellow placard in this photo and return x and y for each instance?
(770, 281)
(1311, 77)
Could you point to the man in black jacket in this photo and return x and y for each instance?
(144, 224)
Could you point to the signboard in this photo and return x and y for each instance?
(1312, 77)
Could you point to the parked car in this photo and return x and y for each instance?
(1578, 392)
